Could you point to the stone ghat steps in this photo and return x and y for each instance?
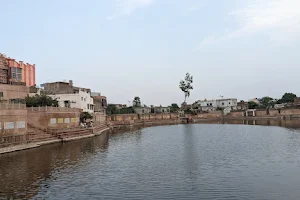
(36, 135)
(100, 128)
(77, 133)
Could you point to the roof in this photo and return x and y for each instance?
(99, 97)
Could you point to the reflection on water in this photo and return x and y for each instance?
(292, 123)
(21, 172)
(214, 160)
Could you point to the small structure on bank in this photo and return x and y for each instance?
(161, 109)
(142, 110)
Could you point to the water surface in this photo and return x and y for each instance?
(198, 161)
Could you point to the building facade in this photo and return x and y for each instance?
(142, 110)
(100, 103)
(81, 100)
(13, 93)
(3, 70)
(70, 96)
(206, 105)
(242, 105)
(161, 109)
(212, 105)
(225, 103)
(20, 72)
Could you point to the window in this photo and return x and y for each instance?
(81, 98)
(84, 99)
(229, 103)
(208, 104)
(16, 73)
(223, 104)
(211, 104)
(88, 106)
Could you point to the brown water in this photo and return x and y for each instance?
(197, 161)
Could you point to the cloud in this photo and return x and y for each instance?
(127, 7)
(279, 19)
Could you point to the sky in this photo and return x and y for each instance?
(125, 48)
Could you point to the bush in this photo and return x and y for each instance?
(40, 101)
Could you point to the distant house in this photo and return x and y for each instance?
(297, 102)
(161, 109)
(242, 105)
(142, 110)
(100, 103)
(255, 100)
(212, 105)
(119, 106)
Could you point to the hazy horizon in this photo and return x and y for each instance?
(125, 48)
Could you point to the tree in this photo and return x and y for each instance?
(40, 101)
(266, 102)
(186, 85)
(287, 98)
(174, 107)
(111, 109)
(136, 102)
(126, 110)
(252, 105)
(84, 116)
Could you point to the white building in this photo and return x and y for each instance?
(225, 103)
(207, 105)
(212, 105)
(82, 100)
(161, 109)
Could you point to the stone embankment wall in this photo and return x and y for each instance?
(13, 124)
(99, 118)
(166, 118)
(173, 117)
(46, 118)
(272, 113)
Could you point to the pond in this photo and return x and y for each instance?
(194, 161)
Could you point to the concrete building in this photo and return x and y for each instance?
(119, 106)
(70, 96)
(161, 109)
(13, 93)
(100, 103)
(20, 73)
(242, 105)
(207, 105)
(212, 105)
(3, 70)
(82, 100)
(225, 103)
(142, 110)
